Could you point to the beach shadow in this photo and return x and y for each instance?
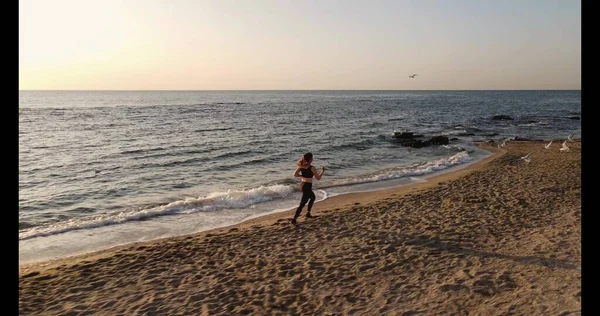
(440, 245)
(302, 227)
(298, 226)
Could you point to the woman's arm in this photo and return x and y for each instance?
(317, 175)
(297, 173)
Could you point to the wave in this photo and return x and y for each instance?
(421, 169)
(253, 161)
(456, 132)
(533, 123)
(139, 151)
(454, 148)
(233, 199)
(230, 199)
(175, 153)
(359, 145)
(192, 160)
(213, 129)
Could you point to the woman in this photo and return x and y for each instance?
(306, 171)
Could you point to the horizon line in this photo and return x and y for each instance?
(556, 89)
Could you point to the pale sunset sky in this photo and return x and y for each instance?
(298, 45)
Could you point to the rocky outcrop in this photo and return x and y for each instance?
(438, 140)
(501, 117)
(409, 139)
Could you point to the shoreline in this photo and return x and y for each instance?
(36, 250)
(338, 201)
(501, 236)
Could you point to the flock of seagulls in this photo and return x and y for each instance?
(504, 142)
(564, 146)
(527, 158)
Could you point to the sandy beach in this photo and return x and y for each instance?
(499, 237)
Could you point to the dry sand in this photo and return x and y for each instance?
(500, 237)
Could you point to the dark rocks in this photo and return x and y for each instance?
(404, 135)
(414, 143)
(501, 117)
(408, 139)
(438, 140)
(574, 118)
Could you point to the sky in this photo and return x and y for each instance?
(299, 45)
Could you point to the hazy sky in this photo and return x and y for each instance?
(272, 45)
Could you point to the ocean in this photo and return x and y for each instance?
(99, 169)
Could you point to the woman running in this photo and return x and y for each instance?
(306, 171)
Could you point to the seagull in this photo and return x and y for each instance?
(412, 76)
(564, 146)
(526, 158)
(504, 142)
(547, 146)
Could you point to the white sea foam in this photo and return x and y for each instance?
(421, 169)
(231, 199)
(455, 132)
(235, 199)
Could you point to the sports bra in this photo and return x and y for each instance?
(307, 173)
